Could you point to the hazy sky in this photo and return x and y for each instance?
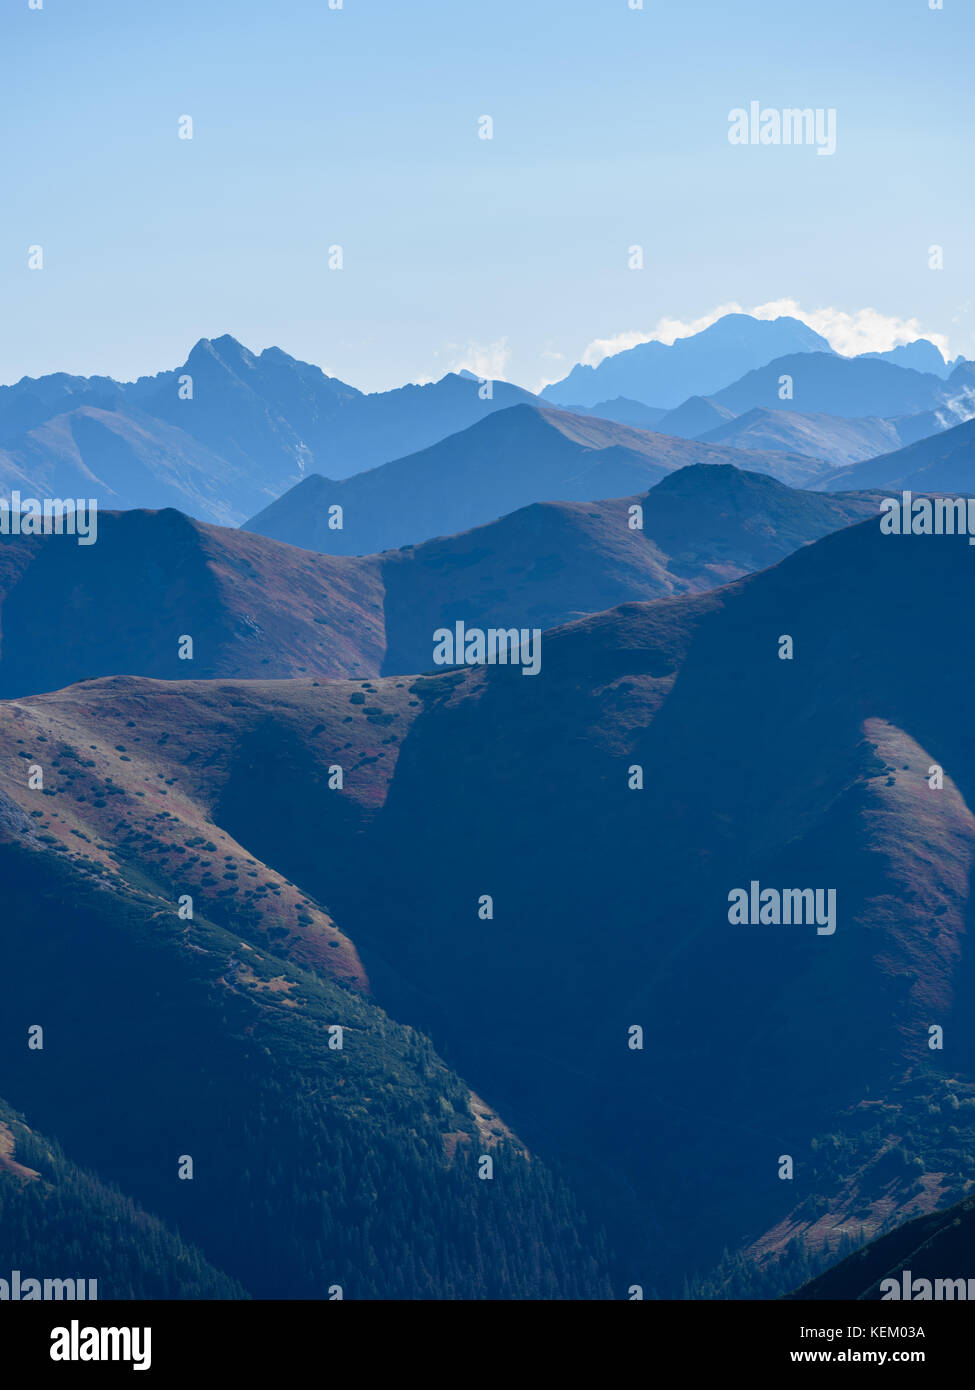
(358, 127)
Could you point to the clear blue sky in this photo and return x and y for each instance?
(359, 126)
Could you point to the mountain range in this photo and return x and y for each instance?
(757, 1041)
(664, 375)
(661, 374)
(517, 456)
(230, 432)
(824, 383)
(222, 435)
(833, 440)
(429, 974)
(256, 608)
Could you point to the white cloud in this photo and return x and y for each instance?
(609, 347)
(666, 331)
(489, 361)
(865, 330)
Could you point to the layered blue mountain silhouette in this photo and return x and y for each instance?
(229, 432)
(252, 427)
(665, 375)
(825, 383)
(517, 456)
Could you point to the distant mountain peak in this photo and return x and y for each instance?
(228, 343)
(276, 354)
(921, 356)
(693, 418)
(225, 350)
(732, 325)
(665, 374)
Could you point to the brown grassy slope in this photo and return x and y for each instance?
(133, 773)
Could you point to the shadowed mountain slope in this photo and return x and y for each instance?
(59, 1222)
(331, 1146)
(940, 1246)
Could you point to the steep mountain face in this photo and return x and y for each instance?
(937, 1247)
(224, 434)
(258, 609)
(266, 414)
(659, 374)
(834, 440)
(759, 1040)
(943, 463)
(514, 458)
(826, 384)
